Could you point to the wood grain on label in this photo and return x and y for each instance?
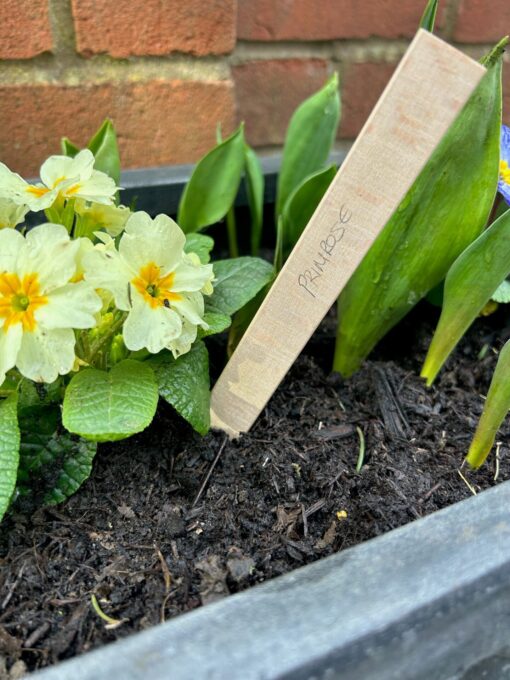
(427, 91)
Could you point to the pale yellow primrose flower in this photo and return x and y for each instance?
(62, 177)
(39, 306)
(113, 218)
(153, 280)
(11, 214)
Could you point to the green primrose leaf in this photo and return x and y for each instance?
(213, 186)
(106, 406)
(469, 285)
(254, 180)
(309, 139)
(199, 244)
(502, 293)
(495, 410)
(446, 208)
(217, 323)
(184, 383)
(429, 15)
(105, 148)
(244, 317)
(301, 205)
(9, 450)
(53, 464)
(237, 282)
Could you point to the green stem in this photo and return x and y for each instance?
(233, 247)
(96, 346)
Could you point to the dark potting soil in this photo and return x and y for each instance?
(151, 535)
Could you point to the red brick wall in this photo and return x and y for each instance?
(167, 71)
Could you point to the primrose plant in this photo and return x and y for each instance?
(102, 312)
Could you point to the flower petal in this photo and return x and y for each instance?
(11, 243)
(191, 307)
(104, 268)
(10, 342)
(11, 214)
(14, 188)
(44, 354)
(56, 169)
(189, 277)
(152, 328)
(47, 245)
(72, 306)
(505, 144)
(183, 343)
(99, 188)
(160, 241)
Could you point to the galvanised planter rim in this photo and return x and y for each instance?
(427, 601)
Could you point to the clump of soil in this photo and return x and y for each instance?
(151, 535)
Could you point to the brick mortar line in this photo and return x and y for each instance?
(74, 70)
(348, 51)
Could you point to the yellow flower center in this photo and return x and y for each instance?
(19, 299)
(155, 289)
(504, 172)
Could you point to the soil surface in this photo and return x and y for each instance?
(159, 529)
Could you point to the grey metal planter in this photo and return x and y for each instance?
(428, 601)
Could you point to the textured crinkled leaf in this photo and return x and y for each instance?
(302, 204)
(33, 394)
(201, 245)
(213, 186)
(444, 211)
(9, 450)
(469, 285)
(494, 412)
(106, 406)
(217, 324)
(255, 191)
(184, 383)
(309, 139)
(53, 463)
(237, 282)
(502, 293)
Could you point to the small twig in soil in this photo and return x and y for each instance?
(361, 453)
(9, 595)
(469, 486)
(496, 471)
(209, 473)
(37, 635)
(429, 493)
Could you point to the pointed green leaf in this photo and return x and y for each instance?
(429, 16)
(68, 148)
(184, 383)
(199, 244)
(444, 211)
(495, 410)
(53, 464)
(255, 190)
(216, 322)
(237, 282)
(469, 285)
(9, 450)
(213, 186)
(301, 205)
(309, 139)
(106, 406)
(105, 148)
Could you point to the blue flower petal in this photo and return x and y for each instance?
(504, 190)
(505, 144)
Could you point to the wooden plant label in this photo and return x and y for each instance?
(427, 91)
